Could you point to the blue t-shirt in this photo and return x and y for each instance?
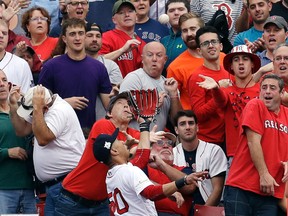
(263, 58)
(69, 78)
(251, 34)
(151, 30)
(100, 12)
(174, 46)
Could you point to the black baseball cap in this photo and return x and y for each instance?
(102, 146)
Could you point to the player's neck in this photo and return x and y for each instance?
(190, 145)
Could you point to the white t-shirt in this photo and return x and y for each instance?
(17, 71)
(61, 155)
(124, 184)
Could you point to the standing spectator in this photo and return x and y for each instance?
(181, 68)
(16, 180)
(259, 11)
(146, 28)
(93, 43)
(206, 10)
(36, 23)
(240, 63)
(70, 9)
(16, 69)
(173, 43)
(76, 77)
(254, 185)
(196, 155)
(121, 44)
(210, 116)
(275, 33)
(58, 142)
(149, 77)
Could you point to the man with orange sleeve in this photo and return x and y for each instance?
(185, 64)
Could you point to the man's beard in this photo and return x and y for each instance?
(190, 45)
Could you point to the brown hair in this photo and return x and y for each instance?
(27, 16)
(190, 15)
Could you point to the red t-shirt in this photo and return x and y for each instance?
(45, 49)
(88, 178)
(237, 98)
(166, 204)
(129, 61)
(274, 131)
(210, 116)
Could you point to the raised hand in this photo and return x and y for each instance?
(207, 83)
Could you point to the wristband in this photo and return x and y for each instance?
(180, 183)
(144, 126)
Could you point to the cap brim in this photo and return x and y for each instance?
(170, 136)
(228, 61)
(24, 113)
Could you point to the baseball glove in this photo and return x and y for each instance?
(144, 103)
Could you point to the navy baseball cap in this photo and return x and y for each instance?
(102, 146)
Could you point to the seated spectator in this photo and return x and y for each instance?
(36, 23)
(180, 202)
(196, 155)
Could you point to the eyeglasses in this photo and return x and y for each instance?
(167, 142)
(280, 58)
(37, 19)
(26, 107)
(74, 4)
(207, 43)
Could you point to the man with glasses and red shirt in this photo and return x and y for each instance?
(210, 116)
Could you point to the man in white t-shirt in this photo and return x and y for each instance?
(58, 142)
